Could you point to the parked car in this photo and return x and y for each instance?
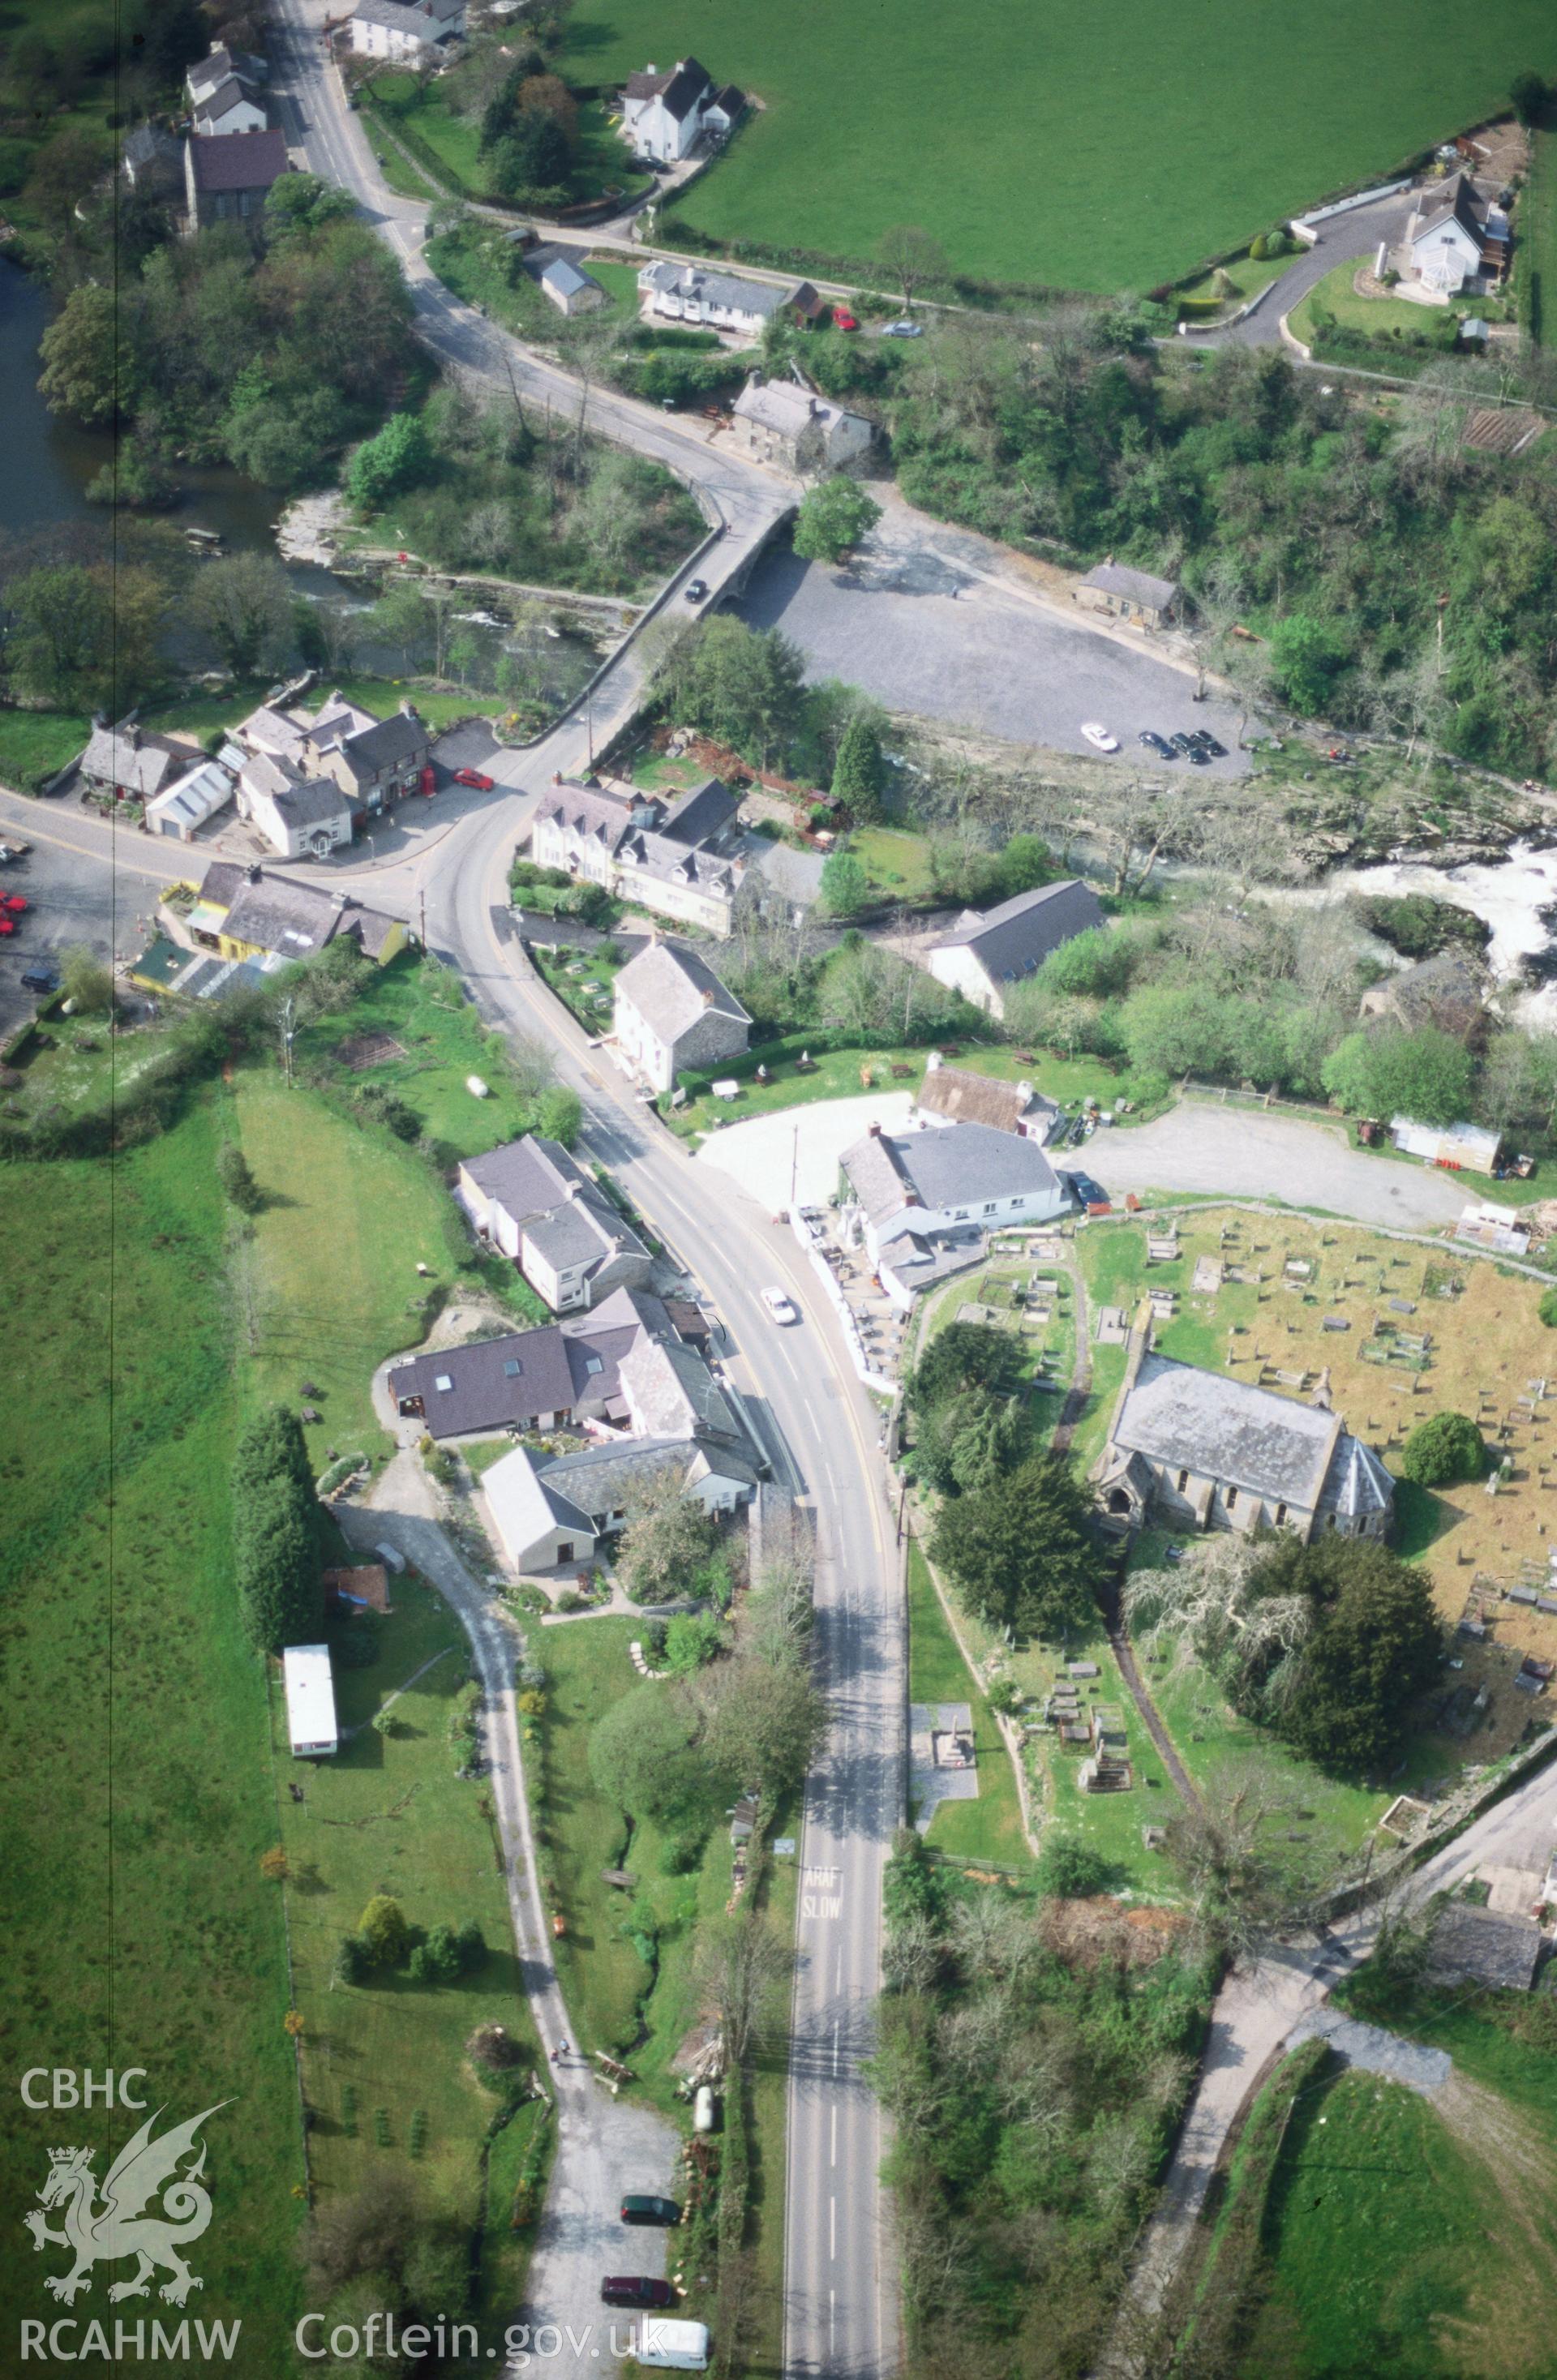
(15, 904)
(842, 320)
(1155, 743)
(902, 331)
(1097, 734)
(13, 850)
(7, 925)
(781, 1308)
(39, 979)
(1208, 745)
(1084, 1189)
(635, 2289)
(475, 778)
(640, 2209)
(1198, 757)
(697, 590)
(1182, 744)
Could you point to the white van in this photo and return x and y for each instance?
(661, 2345)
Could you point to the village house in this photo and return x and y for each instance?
(989, 951)
(241, 913)
(376, 765)
(1198, 1450)
(390, 28)
(664, 115)
(1456, 238)
(687, 859)
(551, 1511)
(299, 817)
(1131, 595)
(1447, 992)
(780, 422)
(131, 764)
(956, 1094)
(232, 106)
(923, 1203)
(222, 65)
(672, 1013)
(228, 178)
(152, 160)
(534, 1203)
(720, 301)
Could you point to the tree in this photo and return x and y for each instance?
(1377, 1648)
(1547, 1309)
(559, 1113)
(1307, 655)
(742, 1967)
(741, 685)
(275, 1541)
(1426, 1075)
(966, 1356)
(846, 888)
(1069, 1869)
(668, 1536)
(1026, 863)
(1529, 95)
(692, 1638)
(762, 1724)
(86, 368)
(244, 606)
(383, 1931)
(912, 257)
(300, 204)
(1443, 1451)
(236, 1176)
(397, 457)
(1023, 1551)
(859, 772)
(86, 980)
(61, 643)
(531, 161)
(833, 521)
(642, 1754)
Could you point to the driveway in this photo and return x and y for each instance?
(1254, 1155)
(1357, 234)
(926, 620)
(797, 1150)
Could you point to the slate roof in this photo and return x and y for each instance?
(672, 1392)
(588, 810)
(729, 292)
(671, 988)
(237, 161)
(524, 1507)
(221, 62)
(698, 816)
(1357, 1483)
(143, 764)
(560, 1211)
(398, 742)
(1448, 990)
(967, 1098)
(1229, 1430)
(949, 1166)
(224, 99)
(421, 24)
(1135, 586)
(294, 920)
(781, 405)
(312, 801)
(796, 876)
(270, 729)
(150, 145)
(1013, 939)
(567, 278)
(222, 880)
(493, 1383)
(1456, 200)
(1484, 1946)
(677, 91)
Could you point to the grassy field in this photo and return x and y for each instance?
(388, 1815)
(34, 744)
(419, 110)
(1537, 237)
(990, 1828)
(1077, 149)
(138, 1790)
(1409, 2234)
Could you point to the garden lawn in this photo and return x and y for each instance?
(618, 279)
(840, 1075)
(411, 107)
(1083, 149)
(389, 1815)
(581, 979)
(34, 744)
(1537, 237)
(1374, 318)
(1248, 274)
(989, 1827)
(895, 861)
(136, 1780)
(1398, 2244)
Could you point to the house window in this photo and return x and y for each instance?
(443, 1383)
(564, 1551)
(593, 1363)
(1281, 1516)
(959, 1215)
(1232, 1497)
(989, 1209)
(512, 1368)
(1182, 1481)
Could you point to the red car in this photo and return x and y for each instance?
(474, 777)
(842, 320)
(14, 901)
(7, 925)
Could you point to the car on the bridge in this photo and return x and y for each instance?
(902, 331)
(635, 2289)
(1098, 736)
(639, 2208)
(1155, 743)
(781, 1308)
(475, 778)
(697, 590)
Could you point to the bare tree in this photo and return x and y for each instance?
(912, 257)
(742, 1971)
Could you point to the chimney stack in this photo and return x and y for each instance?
(875, 1131)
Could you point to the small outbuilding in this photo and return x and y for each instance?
(571, 290)
(1457, 1148)
(311, 1701)
(1135, 596)
(1484, 1946)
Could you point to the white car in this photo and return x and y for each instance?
(1098, 736)
(780, 1307)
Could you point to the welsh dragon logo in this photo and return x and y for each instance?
(101, 2233)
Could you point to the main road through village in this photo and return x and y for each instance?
(821, 1430)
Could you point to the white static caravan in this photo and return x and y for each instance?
(311, 1701)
